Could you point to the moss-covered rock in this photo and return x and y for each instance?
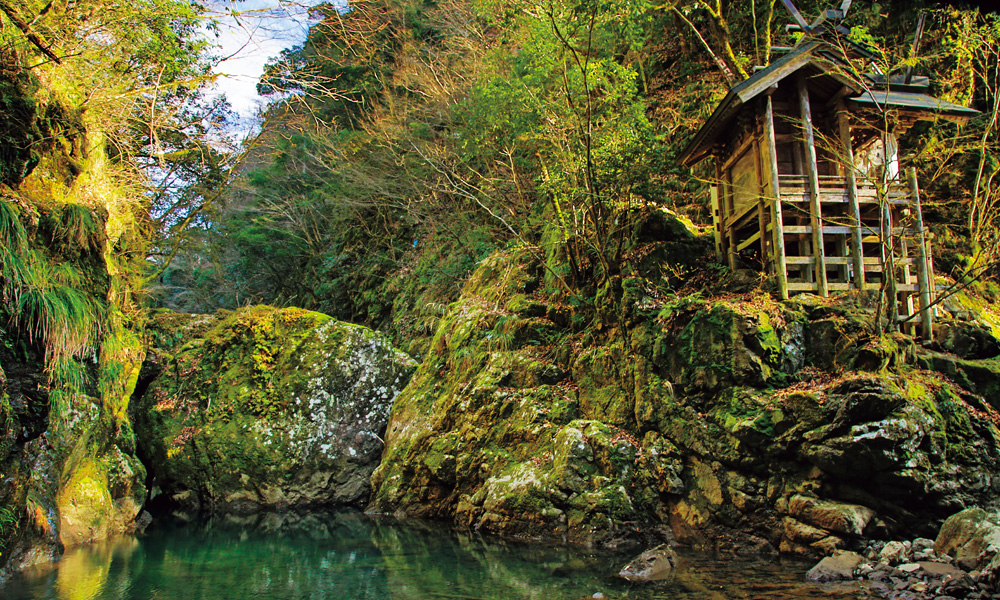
(70, 480)
(733, 419)
(269, 408)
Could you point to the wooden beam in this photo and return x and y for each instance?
(812, 170)
(924, 273)
(776, 217)
(852, 194)
(777, 71)
(761, 205)
(890, 173)
(725, 199)
(738, 153)
(904, 266)
(827, 229)
(838, 98)
(796, 15)
(916, 44)
(748, 242)
(888, 256)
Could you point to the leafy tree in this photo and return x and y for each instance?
(106, 89)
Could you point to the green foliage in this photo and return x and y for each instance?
(17, 131)
(79, 227)
(61, 315)
(8, 525)
(862, 37)
(568, 107)
(418, 137)
(47, 302)
(958, 166)
(12, 235)
(13, 270)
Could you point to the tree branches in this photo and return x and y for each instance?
(33, 37)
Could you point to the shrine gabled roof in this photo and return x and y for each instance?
(816, 52)
(827, 60)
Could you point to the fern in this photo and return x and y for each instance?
(64, 319)
(14, 270)
(8, 526)
(78, 226)
(12, 236)
(13, 242)
(48, 302)
(432, 313)
(67, 275)
(503, 336)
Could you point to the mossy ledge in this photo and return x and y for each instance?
(728, 419)
(267, 408)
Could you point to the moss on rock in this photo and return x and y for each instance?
(269, 408)
(717, 416)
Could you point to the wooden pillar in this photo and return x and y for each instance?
(725, 199)
(924, 273)
(717, 221)
(815, 210)
(763, 208)
(778, 231)
(857, 252)
(907, 277)
(888, 254)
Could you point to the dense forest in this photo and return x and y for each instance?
(408, 141)
(480, 182)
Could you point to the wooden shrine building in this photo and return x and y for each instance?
(808, 187)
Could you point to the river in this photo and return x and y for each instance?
(350, 556)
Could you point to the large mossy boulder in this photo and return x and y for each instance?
(269, 408)
(64, 480)
(734, 419)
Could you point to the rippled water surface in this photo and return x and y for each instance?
(354, 557)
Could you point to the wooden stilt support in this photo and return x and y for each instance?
(717, 222)
(907, 281)
(888, 258)
(778, 231)
(924, 272)
(763, 207)
(857, 252)
(815, 212)
(886, 226)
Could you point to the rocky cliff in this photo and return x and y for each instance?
(70, 248)
(729, 417)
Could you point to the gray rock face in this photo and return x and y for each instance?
(271, 409)
(972, 539)
(839, 567)
(652, 565)
(687, 418)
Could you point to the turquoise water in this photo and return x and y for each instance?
(348, 556)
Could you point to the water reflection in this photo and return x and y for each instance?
(351, 556)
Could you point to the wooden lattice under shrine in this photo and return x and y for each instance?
(808, 186)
